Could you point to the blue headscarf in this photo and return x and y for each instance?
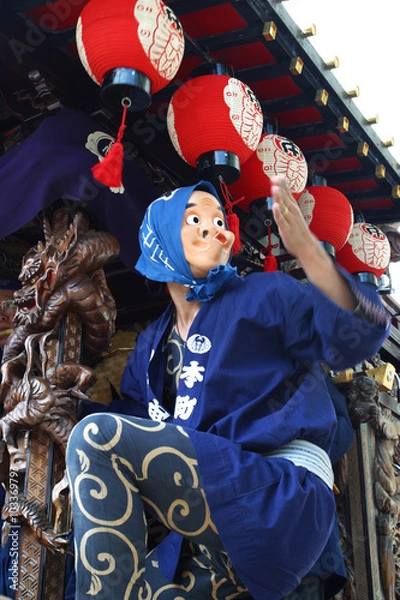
(162, 257)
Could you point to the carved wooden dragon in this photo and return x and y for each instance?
(60, 276)
(65, 274)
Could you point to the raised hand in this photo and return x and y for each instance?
(301, 243)
(293, 230)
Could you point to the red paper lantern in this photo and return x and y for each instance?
(367, 250)
(132, 48)
(215, 123)
(274, 155)
(328, 214)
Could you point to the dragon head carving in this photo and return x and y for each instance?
(64, 273)
(45, 267)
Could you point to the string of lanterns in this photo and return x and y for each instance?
(134, 48)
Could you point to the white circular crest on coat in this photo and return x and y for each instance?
(198, 344)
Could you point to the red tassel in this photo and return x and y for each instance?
(233, 225)
(109, 170)
(231, 218)
(270, 262)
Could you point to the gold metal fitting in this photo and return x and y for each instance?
(321, 97)
(389, 143)
(384, 375)
(354, 93)
(296, 65)
(373, 120)
(332, 64)
(342, 124)
(362, 149)
(269, 31)
(396, 191)
(310, 31)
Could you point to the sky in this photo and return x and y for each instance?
(366, 41)
(365, 36)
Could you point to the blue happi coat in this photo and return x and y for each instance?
(251, 381)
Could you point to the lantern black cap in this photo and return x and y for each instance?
(212, 165)
(329, 248)
(367, 277)
(211, 68)
(122, 83)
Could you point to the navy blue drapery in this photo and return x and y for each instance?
(55, 162)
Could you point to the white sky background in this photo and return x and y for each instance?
(365, 36)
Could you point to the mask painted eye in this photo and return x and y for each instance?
(193, 220)
(218, 222)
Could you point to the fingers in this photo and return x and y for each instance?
(283, 200)
(284, 211)
(281, 213)
(293, 231)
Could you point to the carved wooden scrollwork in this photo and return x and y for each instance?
(364, 406)
(65, 319)
(362, 399)
(341, 479)
(387, 496)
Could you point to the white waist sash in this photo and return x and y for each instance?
(308, 455)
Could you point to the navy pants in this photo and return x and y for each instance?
(121, 468)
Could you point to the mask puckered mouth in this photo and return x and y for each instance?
(221, 238)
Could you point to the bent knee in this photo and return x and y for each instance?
(89, 426)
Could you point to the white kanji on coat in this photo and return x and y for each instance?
(184, 406)
(192, 374)
(157, 412)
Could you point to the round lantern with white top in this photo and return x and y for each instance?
(215, 122)
(131, 48)
(274, 155)
(366, 252)
(329, 215)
